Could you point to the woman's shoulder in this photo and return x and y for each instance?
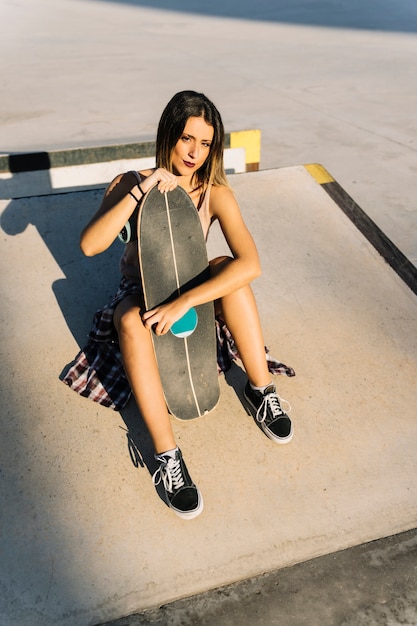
(221, 197)
(221, 191)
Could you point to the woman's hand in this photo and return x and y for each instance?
(117, 206)
(161, 318)
(166, 181)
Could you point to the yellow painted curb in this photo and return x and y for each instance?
(251, 141)
(319, 173)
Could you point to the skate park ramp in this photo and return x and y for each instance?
(85, 537)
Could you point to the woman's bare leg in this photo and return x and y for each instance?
(142, 372)
(141, 368)
(240, 313)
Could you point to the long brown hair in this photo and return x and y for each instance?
(183, 105)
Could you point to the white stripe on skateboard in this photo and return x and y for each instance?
(178, 289)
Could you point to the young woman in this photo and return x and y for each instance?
(189, 153)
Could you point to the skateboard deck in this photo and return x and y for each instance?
(172, 260)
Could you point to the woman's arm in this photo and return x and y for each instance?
(245, 265)
(118, 205)
(116, 208)
(241, 270)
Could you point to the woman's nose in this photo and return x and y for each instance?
(193, 151)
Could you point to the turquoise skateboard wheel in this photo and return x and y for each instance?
(186, 325)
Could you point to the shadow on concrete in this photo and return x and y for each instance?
(384, 15)
(236, 378)
(58, 220)
(88, 283)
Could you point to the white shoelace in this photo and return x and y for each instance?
(170, 474)
(271, 401)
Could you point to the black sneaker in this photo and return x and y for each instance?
(181, 494)
(268, 413)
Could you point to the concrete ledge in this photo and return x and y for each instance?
(368, 585)
(43, 173)
(85, 538)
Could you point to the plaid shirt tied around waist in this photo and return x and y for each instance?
(97, 371)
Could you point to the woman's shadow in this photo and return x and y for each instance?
(88, 283)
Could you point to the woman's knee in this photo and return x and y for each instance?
(127, 318)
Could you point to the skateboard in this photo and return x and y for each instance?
(173, 259)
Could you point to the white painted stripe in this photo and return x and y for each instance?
(90, 175)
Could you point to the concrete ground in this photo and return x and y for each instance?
(84, 537)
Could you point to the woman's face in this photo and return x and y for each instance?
(193, 147)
